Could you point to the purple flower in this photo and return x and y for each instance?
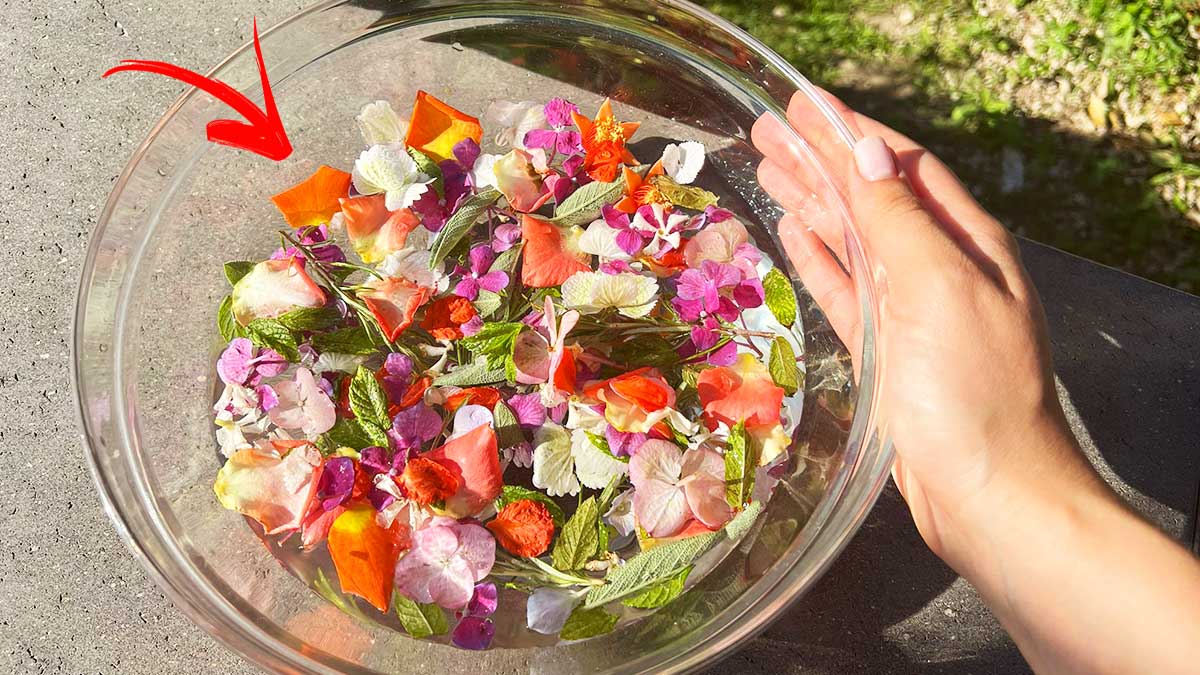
(472, 326)
(560, 186)
(558, 112)
(505, 237)
(712, 214)
(267, 398)
(477, 276)
(563, 139)
(616, 267)
(413, 426)
(475, 630)
(623, 443)
(328, 253)
(630, 240)
(466, 152)
(530, 412)
(716, 289)
(398, 368)
(336, 483)
(244, 365)
(572, 165)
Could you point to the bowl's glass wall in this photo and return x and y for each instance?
(146, 324)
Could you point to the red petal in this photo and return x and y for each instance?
(475, 457)
(545, 261)
(743, 392)
(393, 302)
(365, 554)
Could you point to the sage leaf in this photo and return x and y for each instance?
(661, 593)
(487, 303)
(508, 427)
(368, 400)
(427, 166)
(420, 620)
(586, 623)
(780, 296)
(685, 196)
(741, 459)
(310, 318)
(235, 270)
(515, 493)
(474, 374)
(354, 341)
(660, 563)
(579, 539)
(782, 365)
(459, 225)
(271, 334)
(507, 260)
(583, 206)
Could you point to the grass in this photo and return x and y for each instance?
(1092, 98)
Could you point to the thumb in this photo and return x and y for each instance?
(895, 226)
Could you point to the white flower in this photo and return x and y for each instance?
(483, 171)
(380, 124)
(600, 239)
(582, 416)
(413, 264)
(553, 462)
(620, 514)
(633, 295)
(468, 418)
(594, 467)
(683, 162)
(515, 120)
(335, 362)
(239, 420)
(547, 609)
(389, 169)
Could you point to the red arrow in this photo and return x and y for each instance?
(262, 133)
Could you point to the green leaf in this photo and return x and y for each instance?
(515, 493)
(583, 206)
(427, 166)
(601, 444)
(508, 427)
(235, 270)
(586, 623)
(474, 374)
(324, 588)
(494, 341)
(646, 350)
(578, 541)
(271, 334)
(507, 260)
(352, 433)
(741, 459)
(780, 296)
(420, 620)
(226, 322)
(376, 433)
(310, 318)
(354, 341)
(686, 196)
(660, 563)
(661, 593)
(368, 400)
(487, 303)
(782, 365)
(459, 225)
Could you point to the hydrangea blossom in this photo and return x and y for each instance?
(389, 169)
(445, 562)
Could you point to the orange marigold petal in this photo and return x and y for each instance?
(364, 554)
(314, 200)
(524, 528)
(445, 317)
(426, 481)
(545, 260)
(436, 127)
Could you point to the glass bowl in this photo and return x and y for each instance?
(145, 333)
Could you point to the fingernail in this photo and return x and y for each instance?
(874, 159)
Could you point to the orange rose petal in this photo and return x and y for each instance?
(484, 396)
(645, 387)
(394, 302)
(437, 127)
(314, 200)
(545, 260)
(364, 554)
(524, 528)
(477, 459)
(743, 392)
(374, 232)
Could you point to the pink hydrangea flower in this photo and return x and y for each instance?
(303, 406)
(672, 486)
(445, 562)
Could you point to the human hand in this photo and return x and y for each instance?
(968, 393)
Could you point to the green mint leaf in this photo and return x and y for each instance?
(349, 433)
(310, 318)
(586, 623)
(583, 206)
(741, 459)
(459, 225)
(578, 541)
(494, 341)
(354, 341)
(515, 493)
(686, 196)
(427, 166)
(487, 303)
(649, 568)
(508, 427)
(235, 270)
(376, 433)
(420, 620)
(780, 296)
(226, 322)
(507, 260)
(271, 334)
(782, 365)
(471, 375)
(368, 400)
(661, 593)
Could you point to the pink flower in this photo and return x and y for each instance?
(716, 289)
(672, 486)
(243, 365)
(303, 405)
(477, 277)
(445, 562)
(542, 356)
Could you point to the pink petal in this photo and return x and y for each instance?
(661, 508)
(451, 587)
(477, 549)
(531, 355)
(656, 460)
(234, 366)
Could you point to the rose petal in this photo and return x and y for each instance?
(477, 460)
(314, 200)
(548, 258)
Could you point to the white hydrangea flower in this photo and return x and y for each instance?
(553, 461)
(547, 609)
(389, 169)
(379, 124)
(633, 295)
(594, 467)
(601, 240)
(683, 162)
(333, 361)
(620, 514)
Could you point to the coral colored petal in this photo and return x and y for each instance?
(272, 288)
(365, 554)
(649, 391)
(546, 259)
(743, 392)
(375, 232)
(519, 182)
(393, 302)
(271, 490)
(314, 200)
(477, 460)
(436, 128)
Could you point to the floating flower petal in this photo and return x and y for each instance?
(374, 231)
(390, 170)
(550, 255)
(379, 124)
(313, 201)
(632, 295)
(477, 460)
(365, 554)
(394, 302)
(272, 288)
(272, 490)
(437, 127)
